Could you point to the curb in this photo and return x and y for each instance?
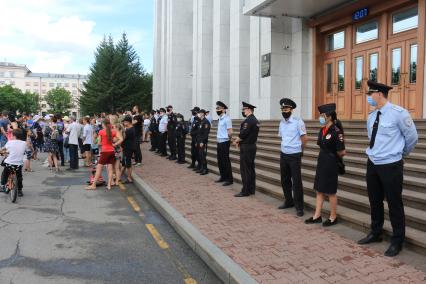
(221, 264)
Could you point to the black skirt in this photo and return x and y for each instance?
(326, 174)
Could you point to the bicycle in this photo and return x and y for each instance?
(11, 186)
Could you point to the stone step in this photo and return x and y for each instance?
(353, 183)
(415, 238)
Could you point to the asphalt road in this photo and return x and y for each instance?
(60, 233)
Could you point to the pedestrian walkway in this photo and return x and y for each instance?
(273, 246)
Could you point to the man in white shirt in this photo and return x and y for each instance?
(162, 128)
(73, 132)
(15, 159)
(87, 141)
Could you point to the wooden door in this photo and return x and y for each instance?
(329, 81)
(336, 84)
(410, 75)
(365, 66)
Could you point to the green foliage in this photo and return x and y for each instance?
(13, 99)
(117, 80)
(59, 101)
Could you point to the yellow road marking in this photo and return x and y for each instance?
(134, 204)
(189, 281)
(122, 187)
(157, 237)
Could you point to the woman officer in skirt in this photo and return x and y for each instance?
(332, 148)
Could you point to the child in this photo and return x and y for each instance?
(15, 149)
(28, 152)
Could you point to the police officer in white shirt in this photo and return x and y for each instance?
(224, 134)
(292, 131)
(162, 128)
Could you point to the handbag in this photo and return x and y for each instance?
(67, 142)
(340, 166)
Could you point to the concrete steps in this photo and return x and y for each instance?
(353, 200)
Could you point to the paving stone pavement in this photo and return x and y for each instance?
(272, 246)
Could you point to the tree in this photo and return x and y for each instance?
(117, 80)
(59, 100)
(14, 99)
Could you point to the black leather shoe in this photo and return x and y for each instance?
(241, 195)
(203, 173)
(163, 155)
(393, 250)
(181, 162)
(227, 183)
(300, 213)
(313, 221)
(198, 171)
(286, 205)
(329, 223)
(173, 158)
(191, 166)
(195, 169)
(20, 193)
(219, 180)
(370, 238)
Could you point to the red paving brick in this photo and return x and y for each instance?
(272, 246)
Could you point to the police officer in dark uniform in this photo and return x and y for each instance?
(332, 149)
(171, 133)
(181, 131)
(246, 140)
(392, 136)
(153, 128)
(193, 130)
(202, 139)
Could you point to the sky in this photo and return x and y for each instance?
(60, 36)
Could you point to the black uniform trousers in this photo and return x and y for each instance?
(291, 179)
(154, 140)
(162, 143)
(181, 148)
(385, 181)
(73, 156)
(194, 151)
(138, 152)
(247, 168)
(224, 162)
(172, 142)
(202, 157)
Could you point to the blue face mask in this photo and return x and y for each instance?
(371, 102)
(322, 120)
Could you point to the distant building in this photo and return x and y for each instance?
(19, 76)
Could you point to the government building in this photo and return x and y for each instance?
(314, 52)
(19, 76)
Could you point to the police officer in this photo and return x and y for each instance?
(153, 128)
(202, 139)
(332, 149)
(181, 131)
(292, 131)
(171, 133)
(246, 140)
(193, 130)
(224, 133)
(162, 128)
(392, 136)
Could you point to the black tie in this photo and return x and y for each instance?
(375, 128)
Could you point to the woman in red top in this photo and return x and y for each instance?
(107, 140)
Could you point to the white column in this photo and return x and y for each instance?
(163, 53)
(203, 53)
(220, 76)
(239, 58)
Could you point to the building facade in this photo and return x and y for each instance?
(314, 52)
(19, 76)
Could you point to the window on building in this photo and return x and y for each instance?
(359, 62)
(27, 84)
(329, 77)
(374, 65)
(2, 82)
(35, 84)
(1, 74)
(43, 84)
(405, 20)
(12, 74)
(43, 91)
(66, 85)
(74, 85)
(51, 85)
(413, 63)
(396, 66)
(367, 32)
(336, 41)
(59, 85)
(341, 74)
(74, 92)
(35, 91)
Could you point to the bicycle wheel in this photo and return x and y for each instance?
(14, 190)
